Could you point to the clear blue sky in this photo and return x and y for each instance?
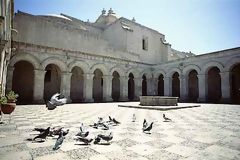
(200, 26)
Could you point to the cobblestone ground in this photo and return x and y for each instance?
(207, 132)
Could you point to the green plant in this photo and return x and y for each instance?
(12, 96)
(3, 100)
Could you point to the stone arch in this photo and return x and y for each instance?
(118, 69)
(134, 71)
(176, 84)
(23, 81)
(214, 85)
(192, 85)
(172, 71)
(231, 63)
(81, 64)
(235, 83)
(188, 68)
(99, 66)
(115, 86)
(144, 85)
(56, 61)
(159, 72)
(77, 84)
(52, 80)
(25, 57)
(98, 85)
(211, 64)
(131, 87)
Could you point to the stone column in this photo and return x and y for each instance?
(9, 79)
(202, 87)
(38, 87)
(88, 87)
(138, 88)
(107, 88)
(155, 86)
(66, 84)
(124, 88)
(183, 88)
(225, 87)
(167, 86)
(150, 86)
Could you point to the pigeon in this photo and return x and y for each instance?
(56, 130)
(134, 118)
(59, 141)
(65, 132)
(105, 127)
(84, 140)
(40, 129)
(42, 135)
(166, 119)
(110, 119)
(148, 128)
(97, 140)
(81, 127)
(100, 121)
(106, 137)
(145, 123)
(95, 125)
(83, 134)
(115, 121)
(56, 100)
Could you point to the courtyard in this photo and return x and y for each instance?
(211, 131)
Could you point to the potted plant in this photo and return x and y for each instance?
(8, 102)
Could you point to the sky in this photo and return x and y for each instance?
(199, 26)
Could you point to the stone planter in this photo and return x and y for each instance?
(8, 108)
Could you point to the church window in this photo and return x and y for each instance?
(145, 44)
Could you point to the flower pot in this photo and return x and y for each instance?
(8, 108)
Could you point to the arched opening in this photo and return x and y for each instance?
(131, 87)
(52, 81)
(214, 85)
(193, 86)
(235, 84)
(115, 86)
(175, 85)
(98, 86)
(76, 91)
(22, 82)
(160, 85)
(144, 85)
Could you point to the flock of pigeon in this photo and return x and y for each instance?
(83, 136)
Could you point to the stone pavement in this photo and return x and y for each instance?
(211, 131)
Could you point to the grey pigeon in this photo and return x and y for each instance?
(42, 135)
(59, 141)
(40, 129)
(148, 128)
(56, 100)
(83, 134)
(105, 127)
(85, 140)
(97, 140)
(133, 118)
(115, 121)
(144, 123)
(166, 119)
(106, 137)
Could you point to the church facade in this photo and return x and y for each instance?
(112, 59)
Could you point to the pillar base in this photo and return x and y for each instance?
(225, 100)
(123, 99)
(89, 100)
(108, 99)
(201, 100)
(38, 101)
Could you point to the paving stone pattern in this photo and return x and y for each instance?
(211, 131)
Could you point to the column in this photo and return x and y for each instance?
(107, 88)
(183, 88)
(149, 86)
(167, 86)
(202, 87)
(225, 87)
(138, 88)
(124, 88)
(66, 84)
(9, 79)
(38, 87)
(88, 87)
(155, 86)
